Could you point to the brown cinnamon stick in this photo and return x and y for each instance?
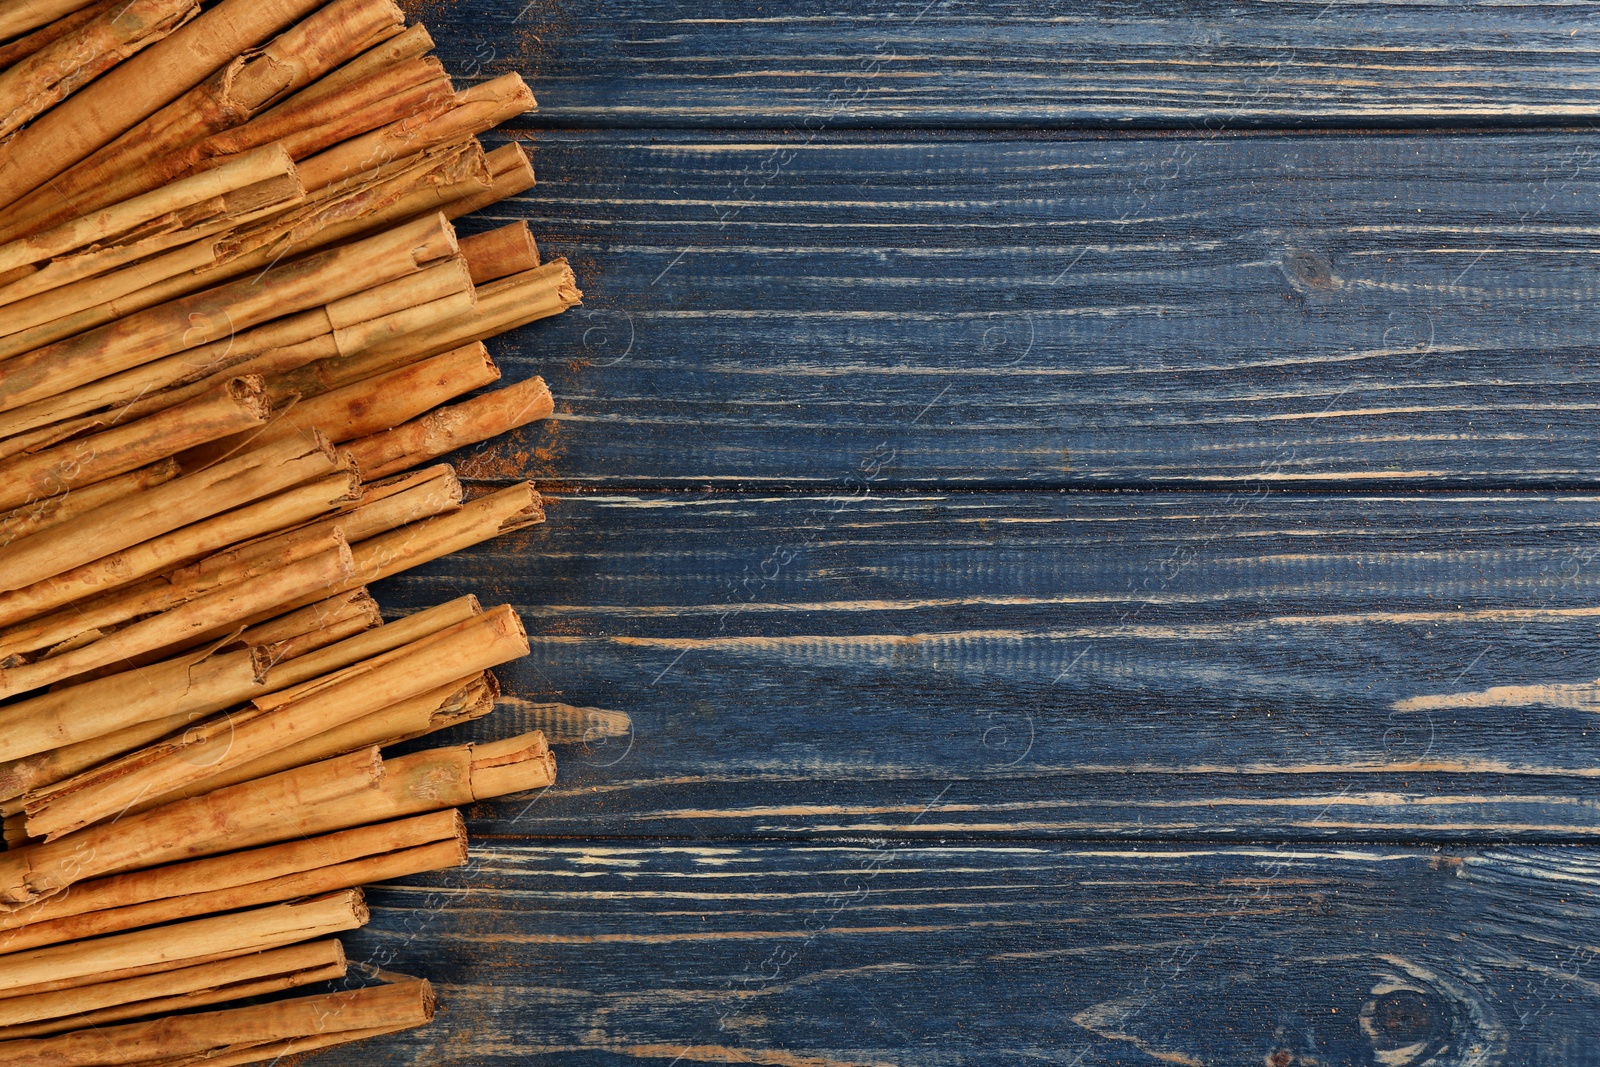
(23, 15)
(189, 688)
(15, 51)
(180, 989)
(225, 882)
(57, 70)
(114, 103)
(496, 253)
(337, 328)
(449, 428)
(288, 508)
(480, 108)
(89, 962)
(512, 173)
(440, 659)
(238, 86)
(308, 579)
(237, 405)
(54, 511)
(233, 1035)
(203, 317)
(372, 404)
(126, 521)
(176, 202)
(266, 809)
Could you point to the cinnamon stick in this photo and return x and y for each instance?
(233, 1035)
(288, 508)
(305, 580)
(203, 317)
(114, 103)
(448, 705)
(372, 404)
(474, 111)
(501, 305)
(225, 882)
(16, 51)
(57, 70)
(109, 612)
(250, 169)
(266, 809)
(508, 249)
(440, 659)
(238, 86)
(512, 173)
(180, 989)
(449, 428)
(126, 521)
(189, 688)
(23, 15)
(221, 937)
(336, 328)
(56, 510)
(237, 405)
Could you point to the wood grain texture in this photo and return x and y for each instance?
(886, 952)
(1327, 311)
(1059, 665)
(940, 63)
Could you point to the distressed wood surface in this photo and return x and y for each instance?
(887, 952)
(1068, 665)
(1333, 311)
(938, 758)
(1196, 65)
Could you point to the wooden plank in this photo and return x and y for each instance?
(1338, 311)
(888, 952)
(1060, 665)
(937, 63)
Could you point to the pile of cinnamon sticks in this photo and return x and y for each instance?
(236, 328)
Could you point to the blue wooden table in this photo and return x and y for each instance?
(1092, 510)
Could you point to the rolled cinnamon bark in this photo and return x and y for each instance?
(304, 128)
(233, 1035)
(246, 83)
(411, 42)
(337, 328)
(180, 989)
(288, 508)
(512, 173)
(226, 881)
(14, 52)
(24, 15)
(56, 510)
(253, 168)
(116, 102)
(57, 70)
(501, 305)
(450, 428)
(513, 508)
(109, 612)
(369, 405)
(213, 313)
(222, 937)
(188, 689)
(455, 702)
(508, 249)
(260, 737)
(126, 521)
(266, 809)
(385, 506)
(238, 404)
(474, 111)
(308, 579)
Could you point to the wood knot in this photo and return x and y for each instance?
(1402, 1020)
(1309, 271)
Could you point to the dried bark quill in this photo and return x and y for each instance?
(238, 333)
